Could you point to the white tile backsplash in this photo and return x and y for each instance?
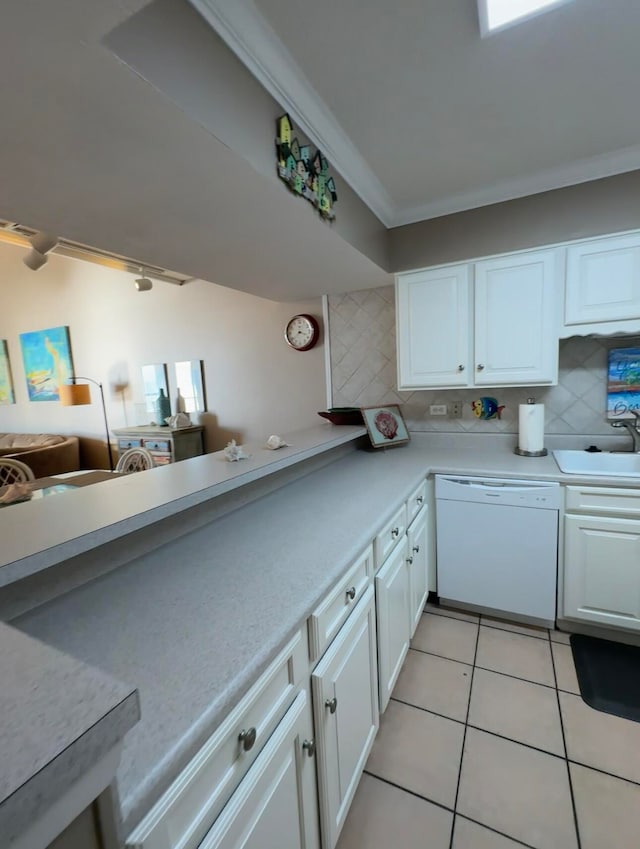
(363, 373)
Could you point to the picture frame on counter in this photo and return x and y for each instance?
(385, 426)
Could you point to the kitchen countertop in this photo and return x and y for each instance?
(59, 717)
(239, 588)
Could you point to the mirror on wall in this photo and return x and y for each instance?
(188, 379)
(154, 378)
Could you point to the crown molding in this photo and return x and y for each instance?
(582, 171)
(246, 32)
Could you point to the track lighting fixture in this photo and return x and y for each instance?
(41, 244)
(143, 284)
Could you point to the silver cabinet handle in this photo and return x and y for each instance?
(247, 737)
(416, 549)
(395, 532)
(351, 594)
(460, 367)
(409, 560)
(419, 499)
(480, 366)
(332, 704)
(310, 747)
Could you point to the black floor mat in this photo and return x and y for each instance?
(609, 675)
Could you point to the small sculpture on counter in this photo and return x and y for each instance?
(179, 420)
(234, 452)
(14, 492)
(274, 442)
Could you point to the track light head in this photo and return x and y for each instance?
(43, 242)
(143, 284)
(34, 259)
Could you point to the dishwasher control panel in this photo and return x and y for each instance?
(517, 493)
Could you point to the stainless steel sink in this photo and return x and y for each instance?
(598, 463)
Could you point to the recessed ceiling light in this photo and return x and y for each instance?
(499, 14)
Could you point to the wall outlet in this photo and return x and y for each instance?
(455, 410)
(437, 409)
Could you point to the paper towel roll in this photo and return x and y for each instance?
(531, 427)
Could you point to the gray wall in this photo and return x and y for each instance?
(588, 209)
(170, 46)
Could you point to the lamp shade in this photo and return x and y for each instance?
(74, 394)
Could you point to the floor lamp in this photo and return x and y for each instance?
(74, 394)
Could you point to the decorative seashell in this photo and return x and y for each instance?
(234, 452)
(179, 420)
(274, 442)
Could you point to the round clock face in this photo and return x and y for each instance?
(302, 332)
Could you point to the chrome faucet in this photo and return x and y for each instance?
(632, 427)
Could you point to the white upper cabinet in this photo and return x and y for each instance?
(603, 286)
(433, 309)
(515, 320)
(492, 323)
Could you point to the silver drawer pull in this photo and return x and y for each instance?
(409, 560)
(332, 704)
(420, 499)
(247, 737)
(480, 367)
(416, 549)
(460, 368)
(395, 532)
(351, 594)
(310, 747)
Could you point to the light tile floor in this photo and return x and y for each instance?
(486, 744)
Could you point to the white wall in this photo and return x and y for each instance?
(255, 384)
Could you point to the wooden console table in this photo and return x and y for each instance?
(166, 444)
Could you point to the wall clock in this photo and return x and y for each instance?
(302, 332)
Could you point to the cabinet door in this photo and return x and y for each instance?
(602, 570)
(345, 708)
(276, 803)
(418, 566)
(516, 327)
(433, 327)
(603, 281)
(393, 620)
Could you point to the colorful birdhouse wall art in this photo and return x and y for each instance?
(303, 170)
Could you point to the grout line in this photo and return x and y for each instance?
(427, 710)
(442, 657)
(517, 742)
(604, 771)
(495, 831)
(566, 753)
(464, 735)
(429, 611)
(407, 790)
(498, 627)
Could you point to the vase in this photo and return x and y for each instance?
(163, 408)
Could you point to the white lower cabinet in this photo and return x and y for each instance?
(418, 558)
(602, 570)
(393, 619)
(275, 806)
(345, 705)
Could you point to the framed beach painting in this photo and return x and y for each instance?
(7, 395)
(385, 426)
(46, 355)
(623, 383)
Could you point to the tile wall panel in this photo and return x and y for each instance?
(362, 338)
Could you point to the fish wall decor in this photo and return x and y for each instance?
(487, 408)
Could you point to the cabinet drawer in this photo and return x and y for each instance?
(124, 443)
(390, 536)
(326, 620)
(600, 500)
(157, 444)
(416, 501)
(184, 814)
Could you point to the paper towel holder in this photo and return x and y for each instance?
(517, 450)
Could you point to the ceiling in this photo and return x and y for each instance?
(442, 119)
(92, 152)
(413, 109)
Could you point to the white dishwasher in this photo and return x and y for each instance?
(497, 545)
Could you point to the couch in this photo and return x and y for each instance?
(44, 453)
